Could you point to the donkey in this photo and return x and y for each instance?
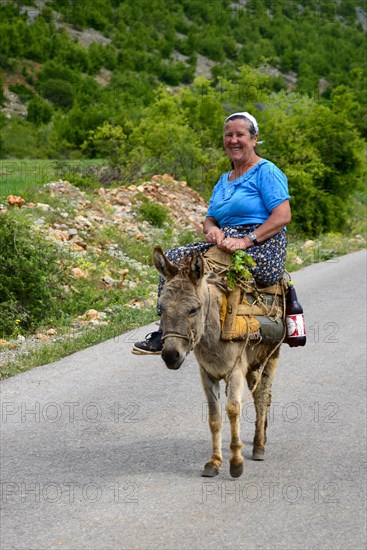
(190, 303)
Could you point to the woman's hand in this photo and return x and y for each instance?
(215, 236)
(231, 244)
(212, 232)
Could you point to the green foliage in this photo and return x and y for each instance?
(164, 142)
(59, 92)
(238, 268)
(175, 73)
(154, 213)
(106, 141)
(28, 283)
(24, 92)
(144, 37)
(83, 13)
(53, 69)
(74, 127)
(23, 140)
(130, 90)
(39, 111)
(322, 155)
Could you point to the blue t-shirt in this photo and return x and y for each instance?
(250, 198)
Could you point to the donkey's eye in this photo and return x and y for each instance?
(193, 311)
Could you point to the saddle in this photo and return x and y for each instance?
(249, 311)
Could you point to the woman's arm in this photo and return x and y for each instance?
(279, 217)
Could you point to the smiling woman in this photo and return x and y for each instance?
(248, 210)
(255, 191)
(240, 138)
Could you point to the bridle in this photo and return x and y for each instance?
(191, 337)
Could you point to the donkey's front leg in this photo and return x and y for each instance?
(233, 407)
(211, 388)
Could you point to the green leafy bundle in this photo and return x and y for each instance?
(238, 268)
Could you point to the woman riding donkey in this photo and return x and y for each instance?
(248, 210)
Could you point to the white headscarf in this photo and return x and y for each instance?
(248, 116)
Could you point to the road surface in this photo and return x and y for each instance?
(104, 449)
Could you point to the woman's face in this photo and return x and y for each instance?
(238, 142)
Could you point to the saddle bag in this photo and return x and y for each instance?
(253, 312)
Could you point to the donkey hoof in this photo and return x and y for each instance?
(209, 471)
(236, 469)
(258, 454)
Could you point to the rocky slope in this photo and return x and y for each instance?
(78, 222)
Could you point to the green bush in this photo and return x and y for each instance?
(24, 92)
(28, 282)
(39, 112)
(154, 213)
(59, 92)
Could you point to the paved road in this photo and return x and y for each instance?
(103, 449)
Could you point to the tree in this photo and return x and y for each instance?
(39, 111)
(59, 92)
(107, 141)
(322, 155)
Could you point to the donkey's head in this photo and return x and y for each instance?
(184, 302)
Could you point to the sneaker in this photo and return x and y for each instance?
(152, 345)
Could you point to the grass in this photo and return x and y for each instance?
(23, 177)
(301, 252)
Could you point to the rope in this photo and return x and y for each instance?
(176, 335)
(213, 265)
(261, 370)
(190, 337)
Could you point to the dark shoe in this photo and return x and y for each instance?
(152, 345)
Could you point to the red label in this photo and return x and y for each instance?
(295, 325)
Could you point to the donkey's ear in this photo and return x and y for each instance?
(196, 268)
(165, 268)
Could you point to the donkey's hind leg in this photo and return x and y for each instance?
(262, 400)
(211, 388)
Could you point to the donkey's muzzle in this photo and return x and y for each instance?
(173, 358)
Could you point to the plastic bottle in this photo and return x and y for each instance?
(296, 330)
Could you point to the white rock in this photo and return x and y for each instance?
(308, 244)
